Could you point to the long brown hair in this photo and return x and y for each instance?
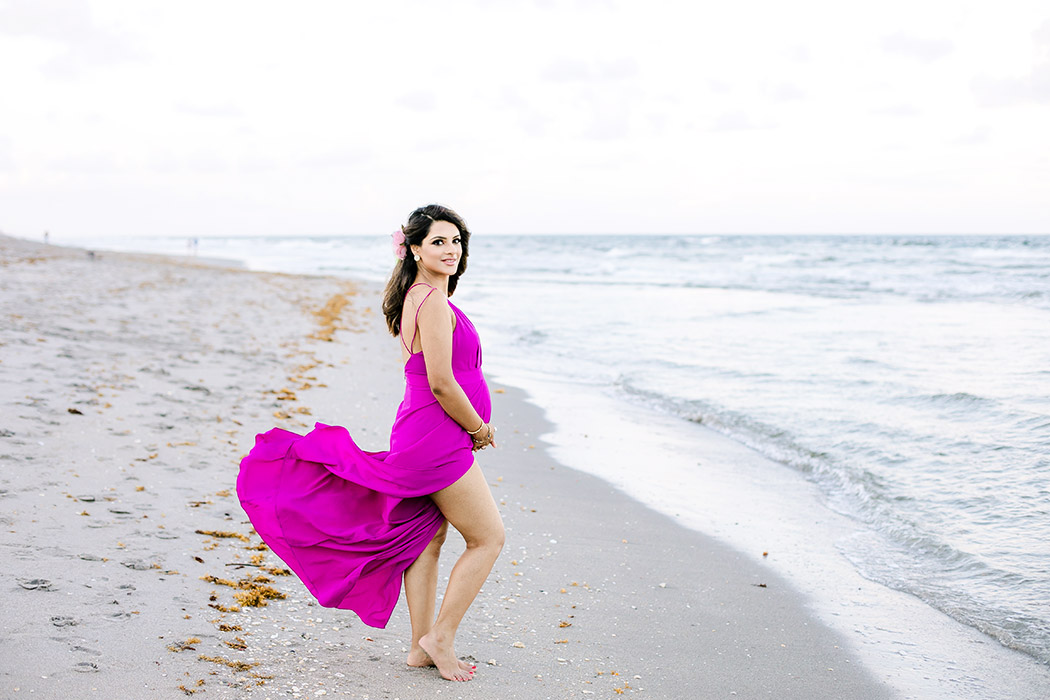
(404, 274)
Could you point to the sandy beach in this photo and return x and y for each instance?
(135, 383)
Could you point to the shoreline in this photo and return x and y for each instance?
(778, 520)
(564, 526)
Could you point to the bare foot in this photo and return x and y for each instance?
(417, 658)
(443, 656)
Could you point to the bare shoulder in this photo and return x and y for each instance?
(422, 294)
(427, 303)
(416, 295)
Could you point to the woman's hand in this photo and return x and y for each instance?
(485, 437)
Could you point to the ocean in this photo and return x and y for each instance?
(907, 378)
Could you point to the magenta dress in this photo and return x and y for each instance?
(349, 522)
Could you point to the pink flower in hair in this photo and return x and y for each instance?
(400, 251)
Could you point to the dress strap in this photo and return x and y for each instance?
(416, 285)
(415, 323)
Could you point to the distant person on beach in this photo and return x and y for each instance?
(47, 237)
(353, 524)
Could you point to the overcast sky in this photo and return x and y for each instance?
(210, 118)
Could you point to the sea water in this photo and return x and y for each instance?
(906, 377)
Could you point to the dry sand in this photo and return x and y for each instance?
(132, 385)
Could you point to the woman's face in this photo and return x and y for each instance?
(441, 250)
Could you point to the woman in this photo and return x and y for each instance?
(351, 523)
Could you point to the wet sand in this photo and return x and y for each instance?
(133, 385)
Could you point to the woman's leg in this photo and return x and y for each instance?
(468, 505)
(420, 592)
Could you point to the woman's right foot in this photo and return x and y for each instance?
(443, 655)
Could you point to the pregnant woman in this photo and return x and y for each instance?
(352, 524)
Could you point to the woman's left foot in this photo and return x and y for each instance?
(417, 658)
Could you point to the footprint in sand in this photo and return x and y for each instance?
(85, 650)
(36, 584)
(137, 564)
(85, 667)
(63, 621)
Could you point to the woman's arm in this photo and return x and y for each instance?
(435, 337)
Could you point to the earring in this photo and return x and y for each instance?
(416, 258)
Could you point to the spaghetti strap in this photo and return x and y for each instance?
(416, 285)
(415, 323)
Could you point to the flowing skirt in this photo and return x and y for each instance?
(349, 522)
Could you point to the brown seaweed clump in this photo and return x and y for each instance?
(235, 665)
(328, 317)
(185, 646)
(257, 595)
(196, 689)
(253, 591)
(276, 571)
(223, 533)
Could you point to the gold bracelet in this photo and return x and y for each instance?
(478, 430)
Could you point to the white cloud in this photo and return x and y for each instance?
(735, 121)
(1001, 92)
(786, 92)
(89, 163)
(207, 162)
(569, 70)
(1007, 92)
(901, 109)
(215, 109)
(418, 101)
(330, 116)
(925, 50)
(1031, 85)
(979, 135)
(7, 161)
(1042, 35)
(338, 158)
(80, 42)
